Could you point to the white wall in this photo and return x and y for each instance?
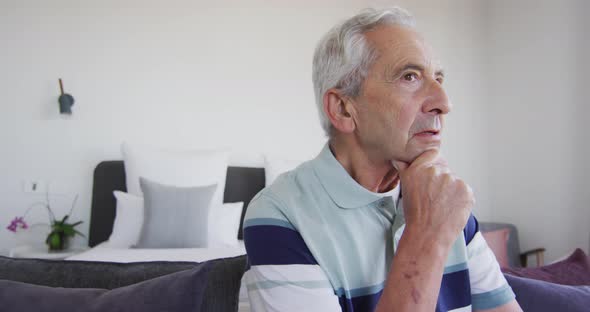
(583, 156)
(535, 123)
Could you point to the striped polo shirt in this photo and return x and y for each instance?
(319, 241)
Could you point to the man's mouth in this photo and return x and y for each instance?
(427, 129)
(428, 137)
(428, 133)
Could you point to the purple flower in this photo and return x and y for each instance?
(16, 223)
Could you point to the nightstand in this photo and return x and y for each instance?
(37, 253)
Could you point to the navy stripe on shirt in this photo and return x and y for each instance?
(451, 296)
(470, 229)
(455, 291)
(276, 245)
(360, 303)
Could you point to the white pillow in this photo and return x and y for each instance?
(224, 223)
(128, 220)
(175, 168)
(273, 167)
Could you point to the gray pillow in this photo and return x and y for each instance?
(222, 283)
(180, 291)
(175, 217)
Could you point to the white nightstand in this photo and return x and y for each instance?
(32, 252)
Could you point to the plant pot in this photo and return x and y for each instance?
(57, 241)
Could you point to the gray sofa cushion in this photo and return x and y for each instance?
(180, 291)
(221, 292)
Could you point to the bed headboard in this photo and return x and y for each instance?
(241, 184)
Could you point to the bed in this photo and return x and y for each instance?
(242, 183)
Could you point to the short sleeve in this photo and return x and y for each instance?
(489, 288)
(283, 275)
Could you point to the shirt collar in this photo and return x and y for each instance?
(341, 187)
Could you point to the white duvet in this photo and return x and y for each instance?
(103, 252)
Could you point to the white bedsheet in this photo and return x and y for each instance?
(102, 252)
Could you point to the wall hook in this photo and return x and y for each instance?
(66, 101)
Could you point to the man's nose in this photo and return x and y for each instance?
(437, 100)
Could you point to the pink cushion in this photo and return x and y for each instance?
(498, 242)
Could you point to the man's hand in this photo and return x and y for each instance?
(436, 208)
(437, 204)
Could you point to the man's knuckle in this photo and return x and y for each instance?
(429, 171)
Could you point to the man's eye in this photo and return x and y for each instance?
(440, 80)
(410, 77)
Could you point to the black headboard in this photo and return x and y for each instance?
(241, 184)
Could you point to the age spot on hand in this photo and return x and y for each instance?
(411, 274)
(415, 295)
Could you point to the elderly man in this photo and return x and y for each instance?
(377, 221)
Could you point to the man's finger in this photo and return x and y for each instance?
(441, 160)
(428, 157)
(400, 166)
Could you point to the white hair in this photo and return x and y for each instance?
(342, 57)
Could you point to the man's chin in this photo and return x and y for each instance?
(412, 155)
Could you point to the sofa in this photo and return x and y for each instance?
(65, 285)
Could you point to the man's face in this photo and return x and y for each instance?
(402, 102)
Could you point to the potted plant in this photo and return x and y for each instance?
(61, 231)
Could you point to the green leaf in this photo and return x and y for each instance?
(69, 231)
(79, 233)
(77, 223)
(65, 218)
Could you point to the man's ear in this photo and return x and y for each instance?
(339, 110)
